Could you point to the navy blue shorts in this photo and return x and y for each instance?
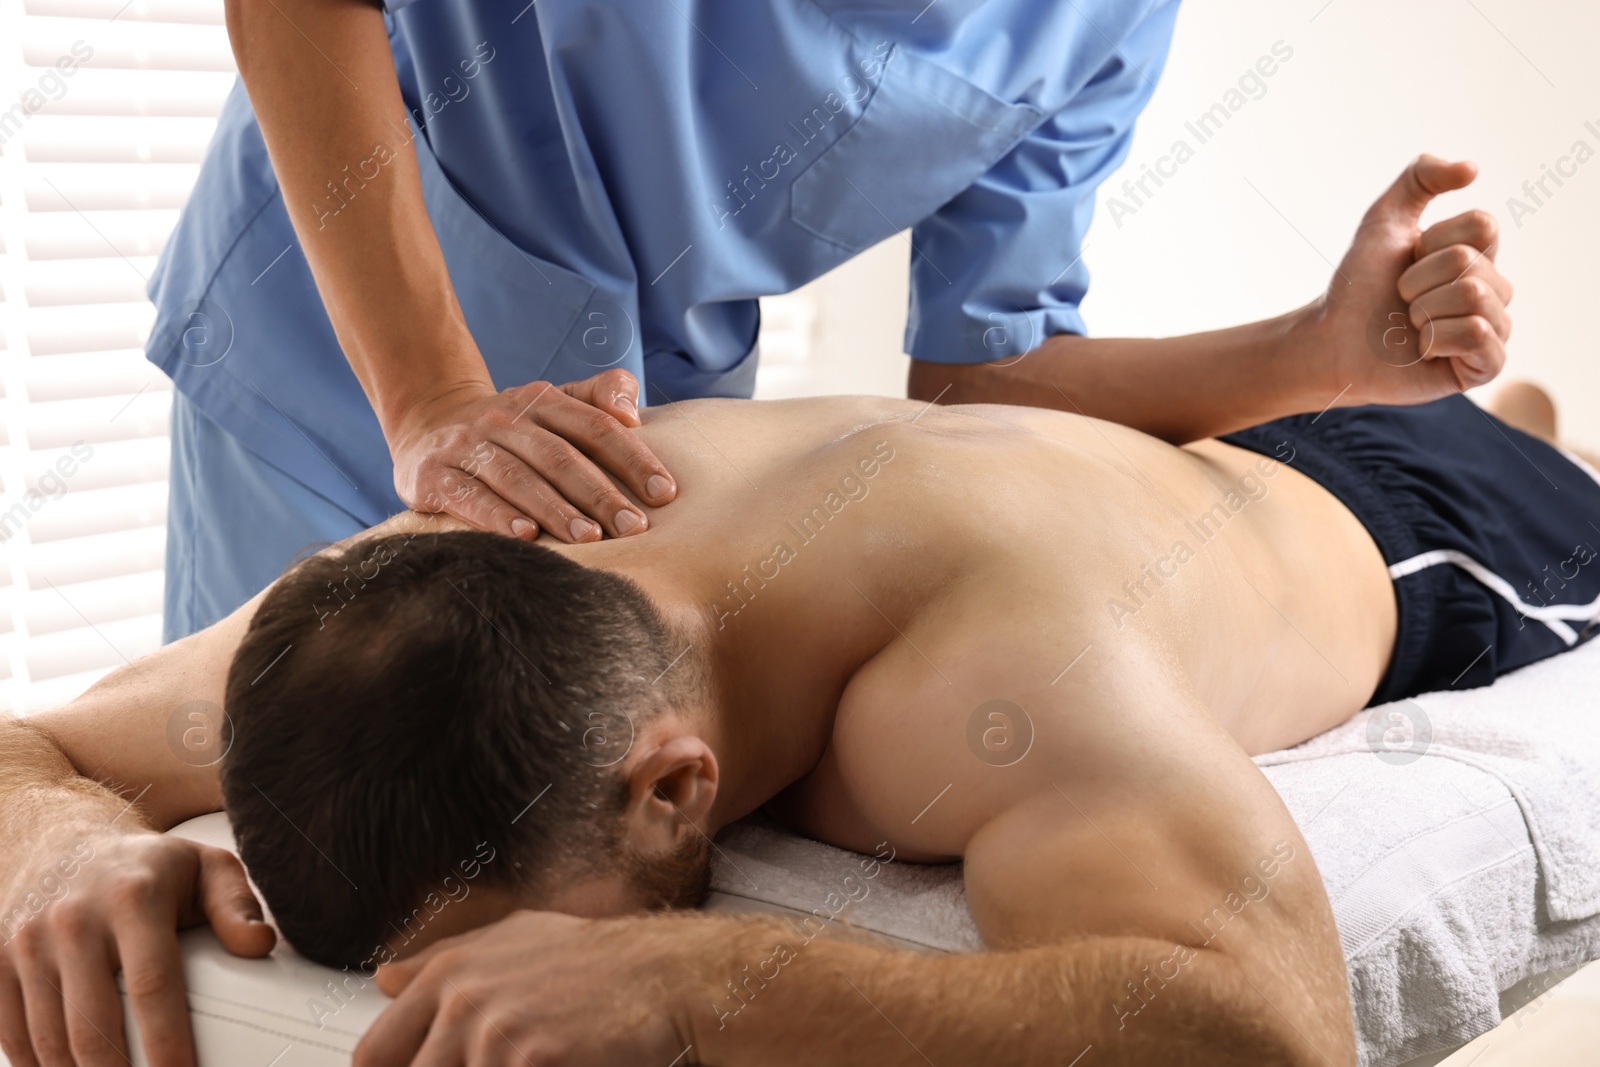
(1492, 537)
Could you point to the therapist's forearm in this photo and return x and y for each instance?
(321, 80)
(1180, 389)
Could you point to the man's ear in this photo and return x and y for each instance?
(671, 787)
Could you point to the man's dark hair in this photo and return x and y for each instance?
(408, 705)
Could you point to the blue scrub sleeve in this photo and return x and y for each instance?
(1000, 268)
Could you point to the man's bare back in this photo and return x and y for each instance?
(1000, 546)
(1027, 536)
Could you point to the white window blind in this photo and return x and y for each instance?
(106, 110)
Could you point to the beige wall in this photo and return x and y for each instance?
(1370, 84)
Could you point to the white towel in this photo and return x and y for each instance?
(1436, 915)
(1536, 730)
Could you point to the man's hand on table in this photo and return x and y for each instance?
(545, 988)
(103, 902)
(1411, 315)
(532, 458)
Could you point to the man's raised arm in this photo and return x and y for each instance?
(89, 884)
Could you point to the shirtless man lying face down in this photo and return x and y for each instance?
(1039, 643)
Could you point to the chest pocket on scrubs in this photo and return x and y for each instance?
(925, 135)
(518, 306)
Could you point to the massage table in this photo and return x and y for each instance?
(1458, 835)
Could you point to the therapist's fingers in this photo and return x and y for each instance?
(556, 437)
(1427, 177)
(549, 506)
(1476, 228)
(534, 457)
(463, 495)
(1451, 264)
(501, 489)
(546, 476)
(1469, 296)
(1467, 345)
(499, 486)
(576, 480)
(616, 392)
(579, 412)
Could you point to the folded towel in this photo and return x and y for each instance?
(1536, 730)
(923, 905)
(1458, 834)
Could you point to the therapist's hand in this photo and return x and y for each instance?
(1412, 315)
(104, 903)
(532, 458)
(541, 988)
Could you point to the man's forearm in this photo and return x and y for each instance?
(39, 789)
(111, 761)
(1179, 389)
(1133, 1000)
(322, 82)
(105, 764)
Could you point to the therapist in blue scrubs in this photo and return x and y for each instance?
(414, 218)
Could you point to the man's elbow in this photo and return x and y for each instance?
(1296, 1027)
(30, 755)
(1257, 1040)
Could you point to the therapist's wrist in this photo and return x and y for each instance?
(1306, 364)
(409, 364)
(418, 408)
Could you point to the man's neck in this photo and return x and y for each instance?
(772, 671)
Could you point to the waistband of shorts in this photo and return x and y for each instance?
(1321, 460)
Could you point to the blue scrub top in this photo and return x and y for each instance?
(616, 182)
